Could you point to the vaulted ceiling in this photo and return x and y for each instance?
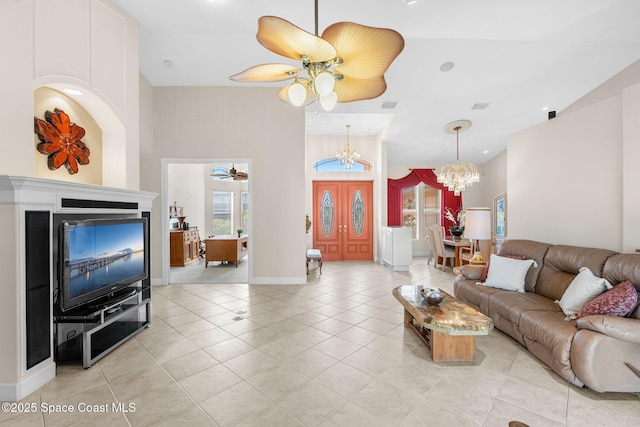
(512, 57)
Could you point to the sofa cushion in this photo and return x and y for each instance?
(619, 301)
(508, 273)
(530, 250)
(562, 263)
(511, 305)
(583, 288)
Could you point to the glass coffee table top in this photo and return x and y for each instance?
(451, 316)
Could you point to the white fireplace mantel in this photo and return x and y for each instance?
(19, 195)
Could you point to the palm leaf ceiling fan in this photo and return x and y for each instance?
(346, 64)
(233, 173)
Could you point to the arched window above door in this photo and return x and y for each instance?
(333, 165)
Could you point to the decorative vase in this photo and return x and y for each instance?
(456, 231)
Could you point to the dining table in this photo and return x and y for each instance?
(457, 245)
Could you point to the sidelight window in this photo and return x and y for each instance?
(222, 212)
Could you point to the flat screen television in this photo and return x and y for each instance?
(100, 257)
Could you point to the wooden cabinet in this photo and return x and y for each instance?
(230, 249)
(183, 247)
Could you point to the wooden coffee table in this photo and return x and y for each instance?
(449, 329)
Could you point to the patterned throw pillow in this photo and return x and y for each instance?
(619, 301)
(485, 273)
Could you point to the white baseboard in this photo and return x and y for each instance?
(157, 282)
(278, 280)
(17, 391)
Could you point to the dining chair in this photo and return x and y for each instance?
(444, 253)
(432, 246)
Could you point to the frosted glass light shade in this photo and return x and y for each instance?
(477, 224)
(329, 102)
(324, 84)
(297, 94)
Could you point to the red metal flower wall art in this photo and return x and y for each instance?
(61, 141)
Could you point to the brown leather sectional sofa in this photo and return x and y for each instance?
(593, 351)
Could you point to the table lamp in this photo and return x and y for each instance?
(477, 227)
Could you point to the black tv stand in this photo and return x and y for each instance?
(91, 332)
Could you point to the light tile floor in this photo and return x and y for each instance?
(331, 353)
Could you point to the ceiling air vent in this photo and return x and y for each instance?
(480, 105)
(389, 105)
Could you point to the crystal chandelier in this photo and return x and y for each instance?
(348, 154)
(458, 176)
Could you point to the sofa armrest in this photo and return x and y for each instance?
(471, 271)
(622, 328)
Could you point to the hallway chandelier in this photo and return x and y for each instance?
(458, 176)
(348, 155)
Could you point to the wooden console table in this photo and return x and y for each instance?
(226, 248)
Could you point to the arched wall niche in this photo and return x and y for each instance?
(106, 134)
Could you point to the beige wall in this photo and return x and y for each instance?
(630, 169)
(565, 178)
(185, 187)
(196, 124)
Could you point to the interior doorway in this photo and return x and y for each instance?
(343, 219)
(209, 206)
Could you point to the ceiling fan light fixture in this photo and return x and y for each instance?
(297, 93)
(347, 62)
(324, 84)
(328, 102)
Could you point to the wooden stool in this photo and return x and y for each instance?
(314, 254)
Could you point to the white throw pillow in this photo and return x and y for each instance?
(508, 273)
(584, 287)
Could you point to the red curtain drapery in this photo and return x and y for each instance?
(394, 195)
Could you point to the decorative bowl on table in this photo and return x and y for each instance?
(432, 296)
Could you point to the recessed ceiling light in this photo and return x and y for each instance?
(545, 108)
(70, 91)
(167, 63)
(410, 2)
(447, 66)
(485, 152)
(389, 105)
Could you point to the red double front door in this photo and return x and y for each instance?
(343, 219)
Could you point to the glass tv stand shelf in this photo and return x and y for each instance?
(91, 333)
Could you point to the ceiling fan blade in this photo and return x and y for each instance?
(367, 51)
(266, 73)
(352, 89)
(283, 95)
(282, 37)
